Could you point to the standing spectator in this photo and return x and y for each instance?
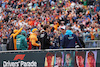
(55, 42)
(92, 34)
(70, 39)
(61, 35)
(45, 38)
(77, 13)
(81, 40)
(22, 41)
(33, 38)
(16, 32)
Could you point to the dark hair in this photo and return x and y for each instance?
(80, 53)
(69, 28)
(24, 34)
(49, 54)
(41, 25)
(59, 54)
(45, 27)
(90, 54)
(52, 30)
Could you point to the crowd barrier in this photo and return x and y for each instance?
(88, 44)
(92, 44)
(51, 58)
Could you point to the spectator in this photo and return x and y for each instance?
(21, 42)
(79, 16)
(33, 38)
(45, 38)
(61, 35)
(70, 39)
(54, 42)
(16, 32)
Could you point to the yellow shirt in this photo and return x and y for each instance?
(33, 38)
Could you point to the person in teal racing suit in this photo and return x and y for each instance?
(21, 41)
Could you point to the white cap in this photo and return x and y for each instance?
(30, 32)
(42, 30)
(63, 27)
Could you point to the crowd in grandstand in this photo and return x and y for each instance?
(51, 18)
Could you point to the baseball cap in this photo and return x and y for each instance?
(63, 27)
(35, 29)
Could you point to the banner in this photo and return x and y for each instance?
(58, 58)
(25, 59)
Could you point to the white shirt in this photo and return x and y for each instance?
(0, 17)
(52, 2)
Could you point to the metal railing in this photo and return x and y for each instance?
(88, 44)
(92, 44)
(35, 50)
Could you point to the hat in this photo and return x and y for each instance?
(24, 33)
(63, 27)
(35, 29)
(30, 32)
(42, 30)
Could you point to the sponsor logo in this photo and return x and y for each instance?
(21, 63)
(70, 38)
(19, 56)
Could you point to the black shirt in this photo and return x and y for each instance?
(45, 40)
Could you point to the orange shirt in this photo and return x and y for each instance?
(92, 36)
(33, 38)
(31, 23)
(21, 0)
(56, 26)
